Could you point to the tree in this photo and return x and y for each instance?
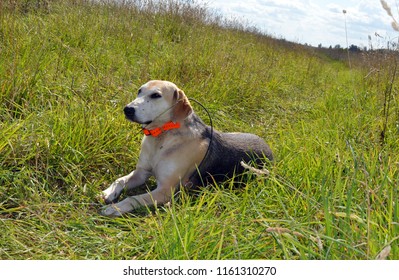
(354, 48)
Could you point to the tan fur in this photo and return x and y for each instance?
(183, 107)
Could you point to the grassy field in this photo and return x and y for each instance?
(67, 68)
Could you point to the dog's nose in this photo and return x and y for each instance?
(129, 112)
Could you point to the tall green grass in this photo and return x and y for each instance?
(68, 68)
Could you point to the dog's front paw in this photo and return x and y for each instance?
(111, 211)
(117, 209)
(107, 198)
(112, 194)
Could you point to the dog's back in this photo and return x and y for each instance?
(225, 154)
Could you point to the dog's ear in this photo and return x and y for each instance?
(183, 107)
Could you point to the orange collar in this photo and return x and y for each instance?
(159, 130)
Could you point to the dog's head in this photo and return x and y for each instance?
(158, 102)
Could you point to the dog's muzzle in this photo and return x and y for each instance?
(131, 116)
(129, 112)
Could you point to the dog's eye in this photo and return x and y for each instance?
(155, 95)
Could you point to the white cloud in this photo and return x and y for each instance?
(312, 21)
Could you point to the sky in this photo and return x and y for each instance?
(316, 21)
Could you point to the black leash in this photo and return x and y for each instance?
(210, 138)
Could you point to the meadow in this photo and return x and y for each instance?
(67, 69)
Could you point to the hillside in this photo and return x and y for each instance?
(69, 67)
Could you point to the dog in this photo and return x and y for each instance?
(178, 149)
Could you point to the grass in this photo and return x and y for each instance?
(69, 67)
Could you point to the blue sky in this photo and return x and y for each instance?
(315, 21)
